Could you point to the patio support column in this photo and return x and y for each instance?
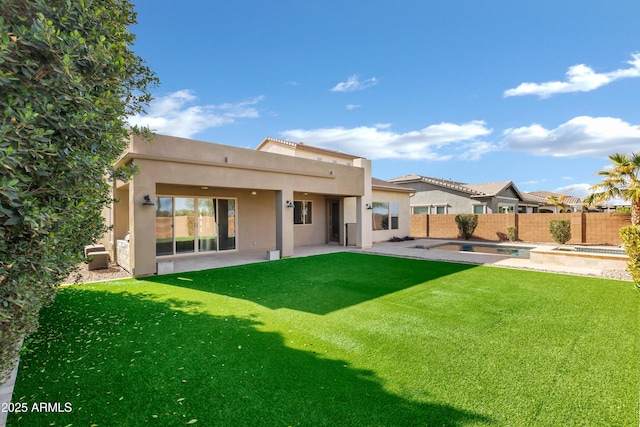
(142, 224)
(284, 223)
(364, 227)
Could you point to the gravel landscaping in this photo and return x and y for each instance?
(83, 275)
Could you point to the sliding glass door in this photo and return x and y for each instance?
(184, 228)
(227, 224)
(164, 226)
(194, 225)
(207, 228)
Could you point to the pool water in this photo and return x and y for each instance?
(513, 251)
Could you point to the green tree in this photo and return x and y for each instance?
(631, 241)
(68, 81)
(560, 230)
(620, 181)
(467, 224)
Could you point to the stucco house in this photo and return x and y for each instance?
(197, 199)
(441, 196)
(570, 203)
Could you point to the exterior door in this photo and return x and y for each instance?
(333, 207)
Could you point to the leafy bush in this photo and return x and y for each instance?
(467, 224)
(512, 233)
(631, 241)
(68, 80)
(560, 230)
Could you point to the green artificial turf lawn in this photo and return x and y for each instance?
(342, 339)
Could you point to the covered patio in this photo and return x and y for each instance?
(193, 202)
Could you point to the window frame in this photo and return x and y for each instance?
(304, 210)
(479, 205)
(390, 216)
(506, 208)
(232, 226)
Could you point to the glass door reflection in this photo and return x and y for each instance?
(184, 225)
(207, 227)
(164, 226)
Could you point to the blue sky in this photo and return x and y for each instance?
(535, 92)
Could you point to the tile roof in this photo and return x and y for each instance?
(385, 185)
(487, 189)
(541, 197)
(459, 186)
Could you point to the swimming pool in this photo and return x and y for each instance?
(513, 251)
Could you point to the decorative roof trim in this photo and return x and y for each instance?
(304, 146)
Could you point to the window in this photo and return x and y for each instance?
(385, 216)
(380, 216)
(194, 225)
(441, 209)
(420, 210)
(302, 212)
(478, 209)
(506, 208)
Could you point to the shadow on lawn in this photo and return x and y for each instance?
(317, 284)
(126, 359)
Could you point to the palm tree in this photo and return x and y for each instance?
(621, 181)
(557, 202)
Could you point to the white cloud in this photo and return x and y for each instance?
(582, 191)
(532, 182)
(380, 142)
(475, 150)
(580, 78)
(173, 114)
(353, 83)
(352, 106)
(575, 190)
(579, 137)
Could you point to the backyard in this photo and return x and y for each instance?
(342, 339)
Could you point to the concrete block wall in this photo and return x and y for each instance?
(419, 226)
(605, 227)
(494, 227)
(535, 227)
(442, 226)
(586, 228)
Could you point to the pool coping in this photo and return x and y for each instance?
(407, 249)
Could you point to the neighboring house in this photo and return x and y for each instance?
(565, 203)
(198, 199)
(441, 196)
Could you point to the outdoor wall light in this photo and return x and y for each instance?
(147, 201)
(290, 204)
(369, 206)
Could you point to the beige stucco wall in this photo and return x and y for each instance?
(173, 166)
(233, 167)
(255, 213)
(404, 214)
(307, 152)
(314, 233)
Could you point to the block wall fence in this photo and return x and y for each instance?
(598, 228)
